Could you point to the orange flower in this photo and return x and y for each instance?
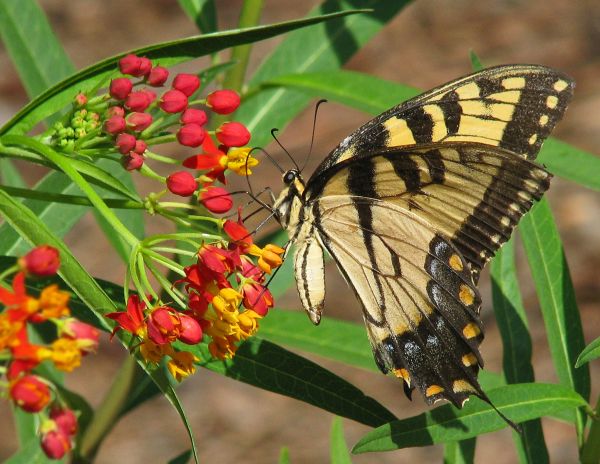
(269, 257)
(52, 304)
(181, 364)
(66, 354)
(153, 352)
(132, 320)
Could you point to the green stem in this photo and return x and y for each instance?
(108, 412)
(590, 452)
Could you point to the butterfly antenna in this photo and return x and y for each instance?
(312, 138)
(275, 163)
(273, 132)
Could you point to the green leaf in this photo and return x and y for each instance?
(592, 351)
(33, 47)
(554, 288)
(270, 367)
(324, 47)
(460, 452)
(338, 448)
(571, 163)
(512, 322)
(284, 456)
(447, 424)
(202, 12)
(9, 175)
(183, 458)
(31, 453)
(168, 53)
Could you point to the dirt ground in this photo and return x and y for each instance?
(427, 44)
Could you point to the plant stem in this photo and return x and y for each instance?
(108, 412)
(590, 452)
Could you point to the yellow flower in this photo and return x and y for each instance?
(53, 302)
(181, 364)
(248, 323)
(66, 354)
(8, 330)
(222, 348)
(227, 300)
(236, 161)
(153, 352)
(269, 257)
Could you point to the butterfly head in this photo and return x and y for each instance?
(288, 205)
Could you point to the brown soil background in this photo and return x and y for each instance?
(427, 44)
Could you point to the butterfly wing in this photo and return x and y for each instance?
(514, 107)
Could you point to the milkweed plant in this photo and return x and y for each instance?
(196, 296)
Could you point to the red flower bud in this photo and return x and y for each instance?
(182, 183)
(191, 135)
(163, 325)
(132, 161)
(65, 420)
(115, 125)
(233, 134)
(55, 444)
(42, 261)
(173, 101)
(87, 336)
(145, 67)
(194, 116)
(140, 147)
(191, 331)
(158, 76)
(139, 121)
(115, 111)
(186, 83)
(223, 101)
(119, 88)
(125, 143)
(216, 199)
(30, 393)
(130, 64)
(81, 99)
(140, 100)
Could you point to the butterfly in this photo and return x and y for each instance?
(413, 204)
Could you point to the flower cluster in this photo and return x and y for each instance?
(74, 339)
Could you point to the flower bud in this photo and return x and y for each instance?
(125, 143)
(140, 100)
(157, 76)
(115, 111)
(163, 325)
(233, 134)
(223, 101)
(186, 83)
(191, 135)
(81, 99)
(115, 125)
(191, 331)
(138, 121)
(55, 444)
(216, 199)
(86, 335)
(65, 420)
(145, 67)
(119, 88)
(30, 393)
(42, 261)
(133, 161)
(130, 64)
(173, 101)
(182, 183)
(140, 147)
(193, 116)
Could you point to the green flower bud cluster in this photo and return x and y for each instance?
(66, 134)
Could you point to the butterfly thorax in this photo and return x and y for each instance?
(289, 205)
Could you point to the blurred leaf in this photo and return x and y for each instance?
(592, 351)
(168, 53)
(516, 341)
(270, 367)
(460, 452)
(571, 163)
(202, 12)
(324, 47)
(447, 424)
(284, 456)
(9, 175)
(554, 288)
(183, 458)
(338, 448)
(476, 63)
(32, 45)
(31, 453)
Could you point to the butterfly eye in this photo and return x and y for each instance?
(289, 176)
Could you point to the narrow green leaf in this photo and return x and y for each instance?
(9, 175)
(460, 452)
(34, 49)
(183, 458)
(202, 12)
(445, 424)
(284, 456)
(592, 351)
(571, 163)
(168, 53)
(324, 47)
(30, 453)
(554, 287)
(338, 447)
(270, 367)
(512, 322)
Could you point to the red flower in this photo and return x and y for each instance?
(125, 143)
(55, 444)
(145, 67)
(216, 199)
(115, 111)
(140, 147)
(191, 135)
(132, 161)
(173, 101)
(42, 261)
(81, 99)
(257, 298)
(164, 325)
(119, 88)
(237, 232)
(30, 393)
(132, 320)
(115, 125)
(157, 76)
(233, 134)
(182, 183)
(193, 116)
(138, 121)
(191, 331)
(223, 101)
(65, 419)
(186, 83)
(130, 64)
(140, 100)
(25, 356)
(211, 159)
(87, 336)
